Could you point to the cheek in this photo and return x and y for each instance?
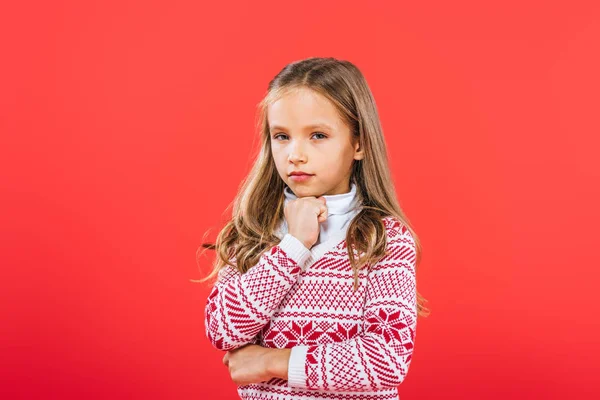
(275, 154)
(331, 165)
(280, 161)
(337, 158)
(339, 163)
(279, 157)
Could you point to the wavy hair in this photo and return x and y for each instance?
(251, 231)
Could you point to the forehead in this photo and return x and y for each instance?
(302, 107)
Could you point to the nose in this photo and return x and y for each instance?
(296, 154)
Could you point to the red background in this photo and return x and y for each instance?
(126, 128)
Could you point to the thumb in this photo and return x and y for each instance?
(323, 213)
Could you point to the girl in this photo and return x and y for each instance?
(316, 291)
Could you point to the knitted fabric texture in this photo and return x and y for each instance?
(345, 344)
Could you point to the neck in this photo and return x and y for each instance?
(336, 203)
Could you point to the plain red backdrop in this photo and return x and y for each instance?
(127, 128)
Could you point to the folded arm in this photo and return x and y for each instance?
(239, 305)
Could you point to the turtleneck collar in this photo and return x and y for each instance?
(337, 204)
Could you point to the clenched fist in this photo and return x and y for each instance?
(303, 216)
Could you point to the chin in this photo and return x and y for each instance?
(300, 191)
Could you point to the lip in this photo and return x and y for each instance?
(299, 173)
(299, 176)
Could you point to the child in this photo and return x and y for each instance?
(316, 293)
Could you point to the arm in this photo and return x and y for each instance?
(239, 305)
(380, 356)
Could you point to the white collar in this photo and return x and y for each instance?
(337, 204)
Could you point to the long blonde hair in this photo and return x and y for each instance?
(251, 230)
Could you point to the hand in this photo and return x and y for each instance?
(253, 363)
(303, 216)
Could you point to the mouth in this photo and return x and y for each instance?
(300, 177)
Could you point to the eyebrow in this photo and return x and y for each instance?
(313, 126)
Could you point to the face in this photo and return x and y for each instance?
(308, 136)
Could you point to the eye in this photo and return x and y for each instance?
(319, 136)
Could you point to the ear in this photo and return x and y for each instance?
(359, 154)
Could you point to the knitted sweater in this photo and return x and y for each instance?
(346, 344)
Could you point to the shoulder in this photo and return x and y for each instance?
(401, 251)
(397, 232)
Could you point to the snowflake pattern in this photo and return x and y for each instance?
(356, 341)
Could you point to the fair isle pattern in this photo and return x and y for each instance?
(381, 355)
(241, 304)
(358, 343)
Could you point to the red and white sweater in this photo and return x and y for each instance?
(346, 344)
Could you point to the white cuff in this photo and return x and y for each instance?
(296, 367)
(295, 249)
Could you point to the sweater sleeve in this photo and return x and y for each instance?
(380, 356)
(239, 305)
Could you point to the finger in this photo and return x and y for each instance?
(323, 213)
